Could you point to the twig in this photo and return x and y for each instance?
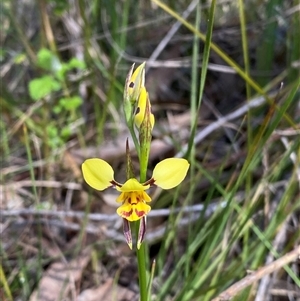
(278, 244)
(164, 42)
(194, 209)
(109, 217)
(254, 103)
(160, 63)
(233, 290)
(42, 183)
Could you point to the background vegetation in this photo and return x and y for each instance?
(230, 106)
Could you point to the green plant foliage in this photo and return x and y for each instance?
(54, 138)
(43, 86)
(59, 7)
(20, 58)
(48, 61)
(76, 63)
(65, 132)
(70, 103)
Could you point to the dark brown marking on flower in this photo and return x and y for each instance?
(131, 85)
(126, 213)
(137, 110)
(140, 213)
(150, 182)
(114, 183)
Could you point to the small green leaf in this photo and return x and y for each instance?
(52, 131)
(43, 86)
(60, 7)
(60, 73)
(57, 109)
(76, 63)
(54, 140)
(20, 58)
(48, 61)
(70, 103)
(66, 132)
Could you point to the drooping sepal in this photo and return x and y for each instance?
(127, 232)
(142, 232)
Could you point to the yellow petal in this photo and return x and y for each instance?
(133, 212)
(121, 198)
(170, 172)
(145, 197)
(132, 185)
(97, 173)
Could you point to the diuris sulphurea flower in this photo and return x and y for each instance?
(133, 197)
(167, 174)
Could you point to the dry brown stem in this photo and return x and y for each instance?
(233, 290)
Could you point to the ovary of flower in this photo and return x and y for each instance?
(167, 174)
(141, 109)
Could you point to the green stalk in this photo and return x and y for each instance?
(141, 252)
(5, 284)
(145, 135)
(249, 179)
(141, 257)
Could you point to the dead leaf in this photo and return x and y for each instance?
(108, 291)
(59, 279)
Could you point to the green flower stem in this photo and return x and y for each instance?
(141, 252)
(145, 141)
(136, 81)
(145, 144)
(142, 268)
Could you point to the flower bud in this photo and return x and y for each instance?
(142, 110)
(134, 83)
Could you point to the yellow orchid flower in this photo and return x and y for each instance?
(167, 174)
